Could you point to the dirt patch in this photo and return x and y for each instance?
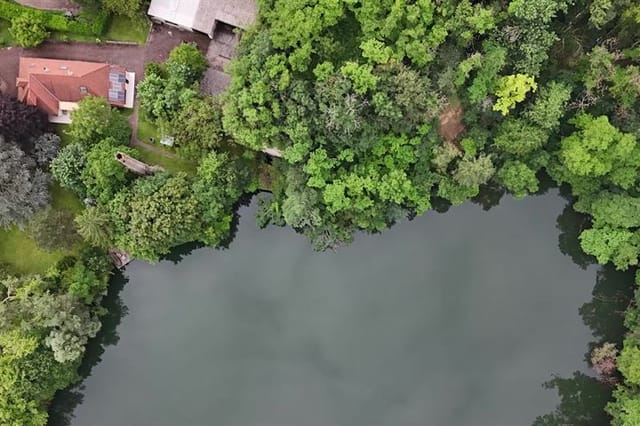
(451, 125)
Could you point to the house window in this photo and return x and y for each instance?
(83, 90)
(65, 112)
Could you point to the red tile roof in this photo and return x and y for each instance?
(47, 82)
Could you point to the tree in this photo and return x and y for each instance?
(23, 187)
(488, 66)
(159, 212)
(596, 155)
(20, 123)
(608, 244)
(512, 89)
(549, 106)
(517, 137)
(625, 407)
(186, 64)
(219, 184)
(68, 166)
(95, 226)
(28, 29)
(474, 171)
(95, 120)
(54, 229)
(45, 149)
(197, 128)
(103, 175)
(128, 8)
(629, 364)
(517, 178)
(161, 99)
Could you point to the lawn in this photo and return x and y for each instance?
(61, 199)
(147, 130)
(122, 28)
(172, 165)
(60, 130)
(21, 254)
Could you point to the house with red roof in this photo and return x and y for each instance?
(56, 86)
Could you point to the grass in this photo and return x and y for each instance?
(122, 28)
(61, 199)
(55, 35)
(21, 254)
(60, 130)
(172, 165)
(147, 130)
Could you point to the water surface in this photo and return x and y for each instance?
(449, 319)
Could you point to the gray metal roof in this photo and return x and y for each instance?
(201, 15)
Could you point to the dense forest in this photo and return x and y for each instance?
(371, 112)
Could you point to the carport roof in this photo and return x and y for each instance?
(201, 15)
(181, 12)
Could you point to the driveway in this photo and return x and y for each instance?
(162, 40)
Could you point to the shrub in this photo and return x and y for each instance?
(94, 23)
(28, 29)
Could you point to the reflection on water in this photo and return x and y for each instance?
(66, 401)
(581, 397)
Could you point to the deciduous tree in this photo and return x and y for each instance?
(23, 187)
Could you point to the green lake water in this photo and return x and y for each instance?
(449, 319)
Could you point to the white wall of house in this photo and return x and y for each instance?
(130, 89)
(64, 113)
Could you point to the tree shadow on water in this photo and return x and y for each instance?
(178, 253)
(583, 397)
(62, 408)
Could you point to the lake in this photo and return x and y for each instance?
(449, 319)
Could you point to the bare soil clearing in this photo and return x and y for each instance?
(451, 125)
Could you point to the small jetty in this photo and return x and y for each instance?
(119, 258)
(137, 166)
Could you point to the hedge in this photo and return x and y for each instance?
(94, 24)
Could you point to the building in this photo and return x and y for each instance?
(56, 86)
(204, 15)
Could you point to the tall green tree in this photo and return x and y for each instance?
(158, 213)
(95, 120)
(23, 187)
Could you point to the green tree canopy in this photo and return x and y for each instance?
(95, 120)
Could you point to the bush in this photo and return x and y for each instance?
(28, 30)
(93, 24)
